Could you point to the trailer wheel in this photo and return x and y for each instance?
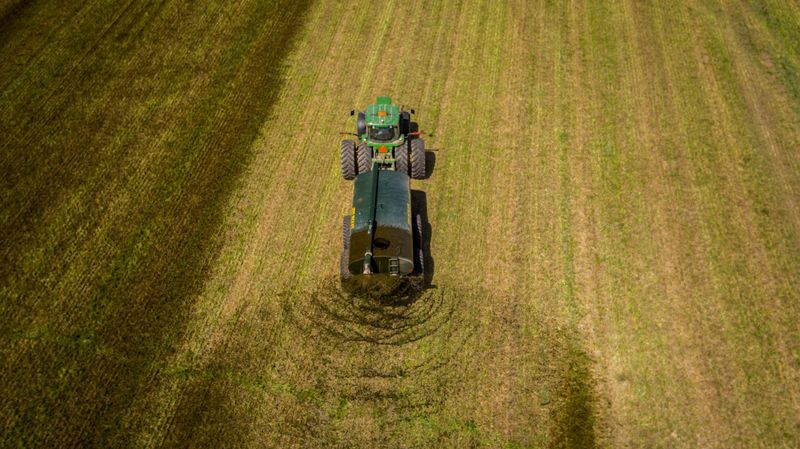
(401, 158)
(343, 260)
(348, 159)
(364, 158)
(419, 253)
(418, 159)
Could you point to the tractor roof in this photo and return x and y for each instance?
(383, 112)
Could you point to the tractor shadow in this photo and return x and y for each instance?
(419, 204)
(430, 162)
(430, 155)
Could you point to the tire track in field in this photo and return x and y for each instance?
(575, 419)
(665, 169)
(611, 187)
(700, 326)
(679, 270)
(727, 216)
(505, 416)
(777, 125)
(779, 241)
(465, 214)
(762, 305)
(585, 420)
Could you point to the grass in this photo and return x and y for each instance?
(144, 217)
(614, 224)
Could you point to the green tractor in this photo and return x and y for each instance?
(384, 137)
(383, 234)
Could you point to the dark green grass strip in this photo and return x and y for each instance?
(784, 25)
(68, 381)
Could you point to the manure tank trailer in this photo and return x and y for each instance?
(382, 236)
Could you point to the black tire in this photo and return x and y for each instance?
(348, 160)
(419, 253)
(364, 158)
(401, 158)
(405, 123)
(361, 125)
(417, 159)
(344, 271)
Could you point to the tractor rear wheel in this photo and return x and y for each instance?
(343, 261)
(418, 169)
(348, 159)
(401, 158)
(364, 158)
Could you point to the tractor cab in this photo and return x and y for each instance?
(382, 121)
(382, 134)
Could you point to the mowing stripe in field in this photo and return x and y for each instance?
(128, 133)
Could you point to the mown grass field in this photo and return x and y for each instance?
(614, 225)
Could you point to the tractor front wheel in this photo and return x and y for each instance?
(418, 169)
(405, 123)
(348, 159)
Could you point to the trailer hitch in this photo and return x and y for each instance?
(373, 199)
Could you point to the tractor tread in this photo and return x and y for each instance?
(417, 156)
(364, 158)
(401, 158)
(419, 250)
(344, 271)
(348, 160)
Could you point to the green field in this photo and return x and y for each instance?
(614, 217)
